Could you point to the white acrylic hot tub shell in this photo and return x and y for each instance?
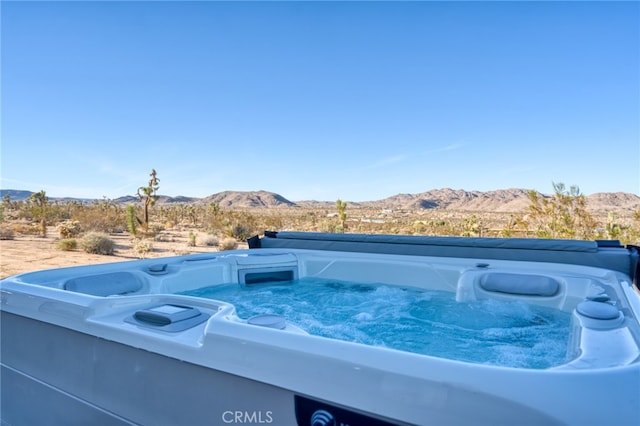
(600, 386)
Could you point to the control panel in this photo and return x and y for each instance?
(316, 413)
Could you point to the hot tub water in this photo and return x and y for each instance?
(505, 333)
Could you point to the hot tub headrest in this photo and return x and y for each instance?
(108, 284)
(521, 284)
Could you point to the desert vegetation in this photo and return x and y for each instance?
(87, 226)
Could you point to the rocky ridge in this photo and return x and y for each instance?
(513, 200)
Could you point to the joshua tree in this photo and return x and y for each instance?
(342, 213)
(147, 195)
(132, 220)
(40, 203)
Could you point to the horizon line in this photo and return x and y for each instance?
(304, 200)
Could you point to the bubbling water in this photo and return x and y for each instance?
(494, 332)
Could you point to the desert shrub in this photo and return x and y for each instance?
(69, 229)
(228, 244)
(325, 226)
(191, 242)
(27, 229)
(97, 243)
(211, 241)
(142, 247)
(101, 216)
(105, 225)
(67, 244)
(164, 238)
(563, 215)
(238, 231)
(150, 230)
(7, 233)
(274, 222)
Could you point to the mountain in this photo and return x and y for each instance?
(248, 199)
(15, 194)
(162, 199)
(613, 201)
(503, 200)
(513, 200)
(20, 195)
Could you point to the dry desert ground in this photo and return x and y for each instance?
(27, 253)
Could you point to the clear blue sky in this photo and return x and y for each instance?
(319, 100)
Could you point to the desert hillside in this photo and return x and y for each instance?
(512, 200)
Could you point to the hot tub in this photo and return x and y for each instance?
(216, 338)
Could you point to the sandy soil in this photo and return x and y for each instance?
(30, 253)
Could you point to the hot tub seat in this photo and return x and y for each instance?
(107, 284)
